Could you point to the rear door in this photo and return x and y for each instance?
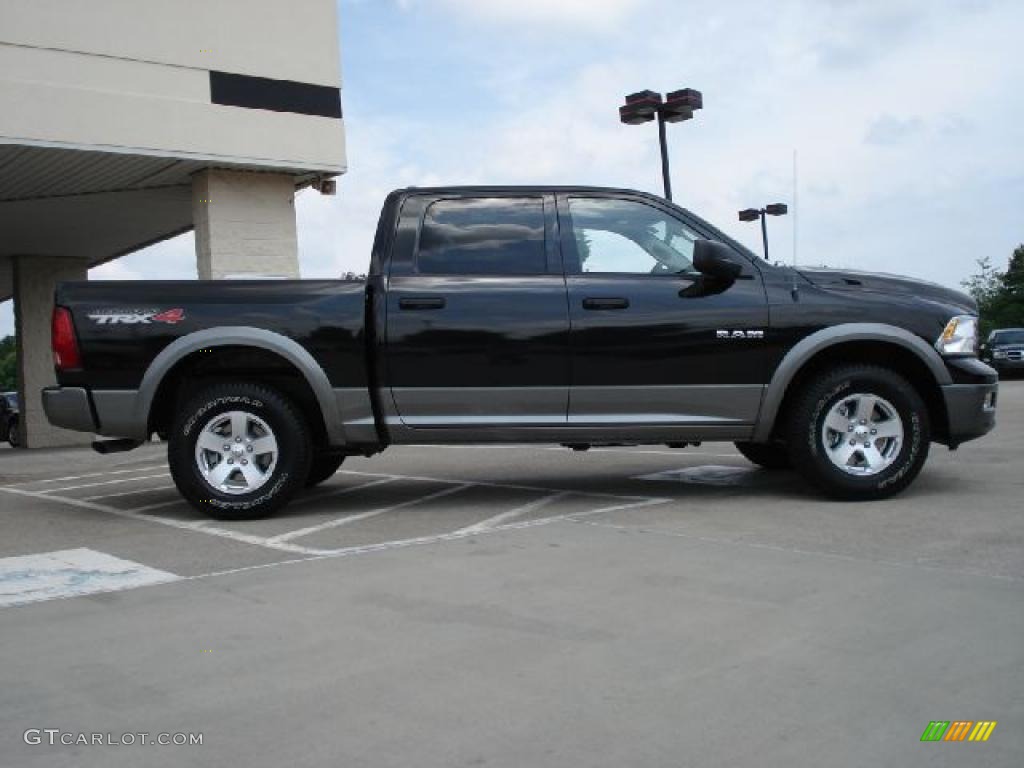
(652, 343)
(477, 319)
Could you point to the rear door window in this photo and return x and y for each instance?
(483, 236)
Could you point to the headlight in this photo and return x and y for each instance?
(960, 336)
(999, 354)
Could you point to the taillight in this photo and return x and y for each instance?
(65, 346)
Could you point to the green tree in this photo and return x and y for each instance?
(985, 284)
(1000, 295)
(1013, 278)
(8, 364)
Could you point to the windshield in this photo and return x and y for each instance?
(1008, 337)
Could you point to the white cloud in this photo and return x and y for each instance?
(887, 204)
(172, 259)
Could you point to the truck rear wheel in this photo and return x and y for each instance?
(767, 455)
(323, 467)
(239, 451)
(859, 432)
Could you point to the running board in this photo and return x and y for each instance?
(115, 446)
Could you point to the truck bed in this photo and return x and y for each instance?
(123, 326)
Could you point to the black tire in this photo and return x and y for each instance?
(283, 478)
(14, 433)
(772, 456)
(323, 467)
(807, 445)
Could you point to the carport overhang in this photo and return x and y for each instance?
(95, 206)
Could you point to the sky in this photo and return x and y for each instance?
(907, 119)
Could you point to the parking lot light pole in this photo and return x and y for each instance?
(644, 106)
(753, 214)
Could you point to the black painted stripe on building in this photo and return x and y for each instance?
(233, 90)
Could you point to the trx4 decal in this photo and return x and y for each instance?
(137, 316)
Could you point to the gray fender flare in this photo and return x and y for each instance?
(242, 336)
(808, 347)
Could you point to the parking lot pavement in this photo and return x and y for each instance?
(517, 606)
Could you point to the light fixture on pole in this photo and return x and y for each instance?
(753, 214)
(645, 106)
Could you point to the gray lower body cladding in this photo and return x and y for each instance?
(123, 413)
(115, 413)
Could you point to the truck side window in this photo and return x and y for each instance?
(622, 236)
(483, 236)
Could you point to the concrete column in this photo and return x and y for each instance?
(245, 224)
(35, 278)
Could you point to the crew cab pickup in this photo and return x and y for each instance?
(568, 315)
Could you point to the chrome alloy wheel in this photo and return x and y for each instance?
(862, 434)
(236, 452)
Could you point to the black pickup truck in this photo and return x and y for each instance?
(568, 315)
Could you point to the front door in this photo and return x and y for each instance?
(652, 342)
(477, 325)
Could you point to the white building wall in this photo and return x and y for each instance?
(283, 39)
(138, 80)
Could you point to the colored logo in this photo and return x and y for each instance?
(959, 730)
(171, 316)
(137, 316)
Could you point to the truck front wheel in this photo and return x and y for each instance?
(859, 432)
(239, 451)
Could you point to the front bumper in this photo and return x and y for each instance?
(970, 400)
(69, 408)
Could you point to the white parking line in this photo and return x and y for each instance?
(284, 542)
(361, 516)
(463, 534)
(294, 503)
(198, 526)
(332, 492)
(130, 493)
(159, 504)
(483, 484)
(83, 477)
(512, 514)
(106, 482)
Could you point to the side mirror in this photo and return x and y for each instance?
(716, 260)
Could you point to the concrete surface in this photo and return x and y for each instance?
(525, 606)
